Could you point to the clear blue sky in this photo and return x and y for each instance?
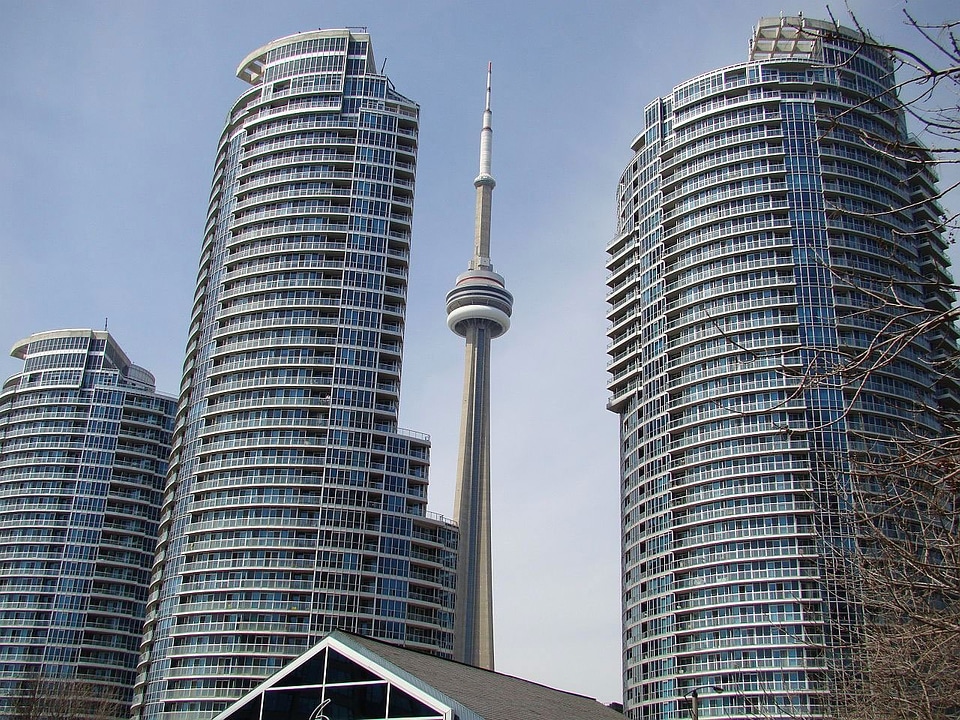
(109, 118)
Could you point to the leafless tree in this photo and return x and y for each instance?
(44, 697)
(904, 486)
(907, 508)
(927, 92)
(898, 484)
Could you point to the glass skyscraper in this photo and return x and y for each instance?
(762, 240)
(294, 504)
(84, 440)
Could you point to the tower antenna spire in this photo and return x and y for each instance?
(478, 309)
(484, 184)
(486, 132)
(489, 75)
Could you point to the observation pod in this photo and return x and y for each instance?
(479, 295)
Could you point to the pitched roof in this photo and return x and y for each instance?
(459, 691)
(491, 695)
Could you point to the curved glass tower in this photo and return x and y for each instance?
(756, 247)
(84, 439)
(294, 504)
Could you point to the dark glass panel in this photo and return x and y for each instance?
(341, 670)
(357, 702)
(310, 673)
(403, 705)
(291, 704)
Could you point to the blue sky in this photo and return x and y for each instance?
(109, 118)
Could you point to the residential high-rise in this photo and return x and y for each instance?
(478, 309)
(294, 504)
(761, 240)
(84, 440)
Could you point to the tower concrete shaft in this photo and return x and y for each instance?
(478, 309)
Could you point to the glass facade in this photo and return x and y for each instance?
(84, 440)
(761, 243)
(294, 504)
(332, 682)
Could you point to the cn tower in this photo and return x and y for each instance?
(478, 309)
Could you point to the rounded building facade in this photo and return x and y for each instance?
(762, 244)
(294, 503)
(84, 440)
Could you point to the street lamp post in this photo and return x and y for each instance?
(694, 696)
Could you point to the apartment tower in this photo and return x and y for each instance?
(84, 440)
(761, 240)
(294, 504)
(478, 309)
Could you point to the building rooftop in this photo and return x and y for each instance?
(449, 688)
